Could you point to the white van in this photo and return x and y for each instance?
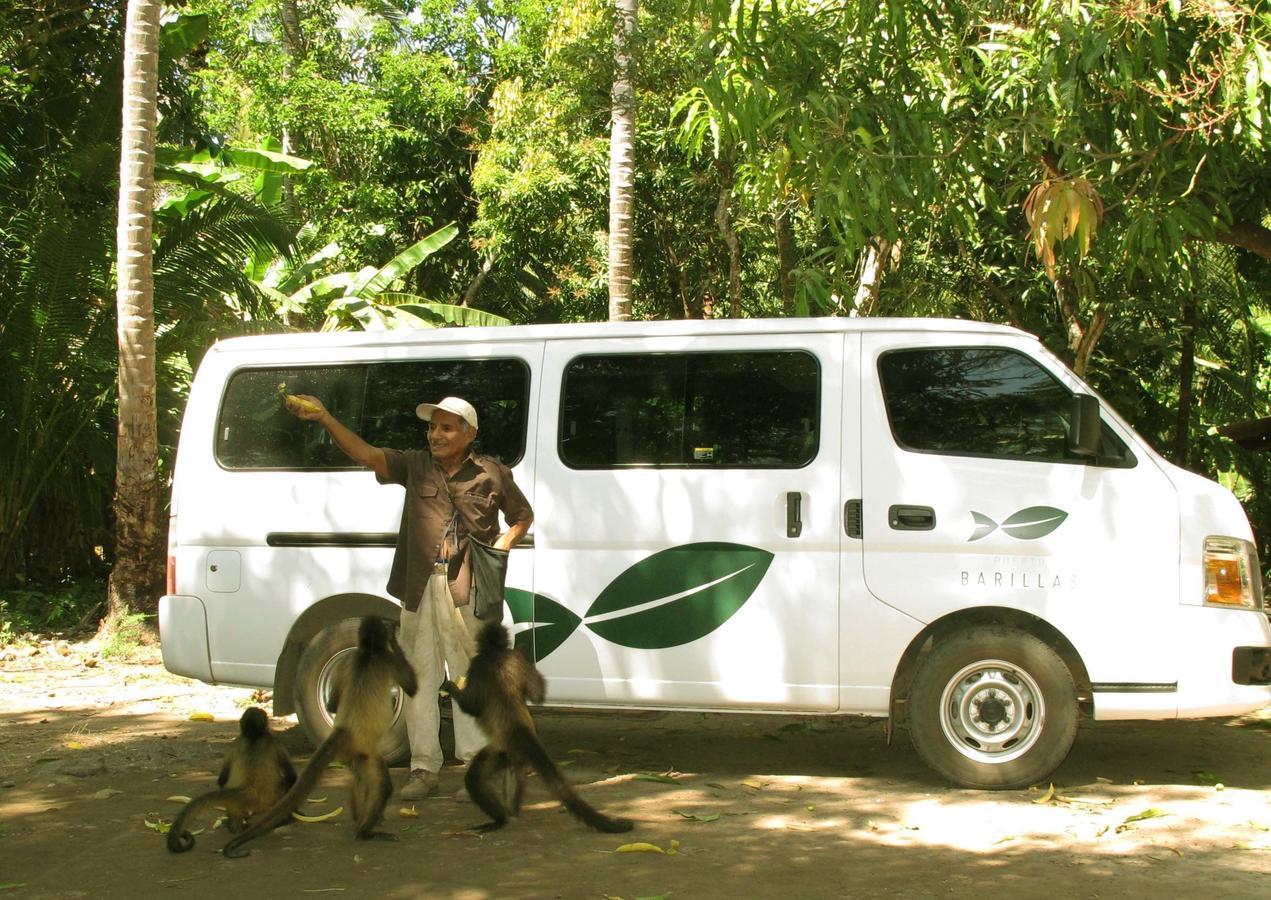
(934, 521)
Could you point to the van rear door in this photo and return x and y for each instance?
(687, 521)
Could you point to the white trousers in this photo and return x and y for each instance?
(435, 638)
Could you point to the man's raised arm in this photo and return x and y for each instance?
(356, 449)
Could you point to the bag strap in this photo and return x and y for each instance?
(457, 511)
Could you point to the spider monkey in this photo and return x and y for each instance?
(500, 681)
(362, 717)
(257, 772)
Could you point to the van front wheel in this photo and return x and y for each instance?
(993, 708)
(322, 662)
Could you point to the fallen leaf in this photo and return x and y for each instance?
(408, 812)
(709, 817)
(753, 785)
(716, 785)
(160, 826)
(202, 717)
(104, 794)
(640, 847)
(178, 798)
(74, 745)
(664, 779)
(811, 809)
(1048, 796)
(1149, 813)
(1004, 839)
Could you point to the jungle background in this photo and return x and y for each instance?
(1098, 173)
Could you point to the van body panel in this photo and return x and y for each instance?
(252, 615)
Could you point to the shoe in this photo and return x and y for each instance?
(421, 785)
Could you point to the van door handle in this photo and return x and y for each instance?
(911, 518)
(794, 514)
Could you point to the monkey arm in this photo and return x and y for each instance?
(464, 696)
(403, 671)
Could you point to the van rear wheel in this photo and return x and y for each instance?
(321, 663)
(993, 708)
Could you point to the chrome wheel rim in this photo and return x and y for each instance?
(992, 711)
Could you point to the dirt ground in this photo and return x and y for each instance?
(743, 805)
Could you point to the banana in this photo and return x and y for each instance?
(293, 403)
(298, 404)
(322, 818)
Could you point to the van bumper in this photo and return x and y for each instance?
(183, 637)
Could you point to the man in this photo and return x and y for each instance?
(450, 493)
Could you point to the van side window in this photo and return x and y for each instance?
(377, 400)
(982, 401)
(708, 410)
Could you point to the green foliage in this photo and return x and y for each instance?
(26, 611)
(126, 635)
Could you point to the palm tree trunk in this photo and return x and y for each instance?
(1186, 384)
(622, 163)
(138, 574)
(785, 258)
(724, 221)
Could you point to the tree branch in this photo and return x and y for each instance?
(1248, 236)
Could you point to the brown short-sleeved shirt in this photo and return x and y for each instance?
(482, 488)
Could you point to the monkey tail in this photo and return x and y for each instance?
(179, 838)
(526, 744)
(281, 811)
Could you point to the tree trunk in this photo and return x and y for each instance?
(880, 256)
(136, 581)
(622, 163)
(293, 44)
(785, 259)
(724, 221)
(1186, 380)
(1082, 336)
(474, 286)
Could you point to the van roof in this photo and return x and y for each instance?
(591, 330)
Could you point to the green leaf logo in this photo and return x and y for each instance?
(677, 595)
(1026, 525)
(545, 623)
(1034, 522)
(673, 597)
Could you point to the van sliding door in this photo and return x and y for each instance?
(687, 521)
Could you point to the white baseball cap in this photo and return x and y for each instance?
(461, 408)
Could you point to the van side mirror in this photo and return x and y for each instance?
(1086, 426)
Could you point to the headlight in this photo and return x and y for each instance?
(1232, 574)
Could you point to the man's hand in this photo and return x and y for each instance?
(305, 406)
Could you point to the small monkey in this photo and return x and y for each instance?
(256, 773)
(500, 682)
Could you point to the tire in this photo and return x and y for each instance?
(322, 660)
(993, 708)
